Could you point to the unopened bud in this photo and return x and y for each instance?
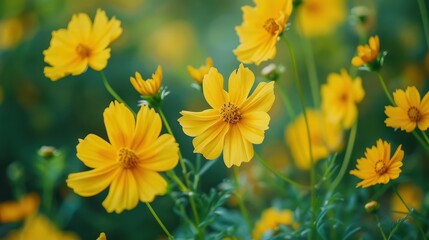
(47, 151)
(372, 207)
(272, 72)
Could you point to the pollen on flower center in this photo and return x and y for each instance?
(83, 51)
(271, 26)
(230, 113)
(127, 158)
(380, 167)
(414, 114)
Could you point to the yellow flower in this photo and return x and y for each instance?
(130, 163)
(149, 87)
(39, 227)
(260, 30)
(367, 54)
(325, 136)
(377, 166)
(320, 17)
(11, 32)
(413, 197)
(236, 120)
(340, 96)
(11, 211)
(82, 44)
(271, 219)
(410, 111)
(198, 74)
(102, 236)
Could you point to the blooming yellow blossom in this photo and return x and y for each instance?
(11, 32)
(377, 166)
(412, 196)
(149, 87)
(270, 220)
(11, 211)
(260, 30)
(325, 137)
(39, 227)
(198, 74)
(130, 163)
(410, 112)
(102, 236)
(320, 17)
(340, 96)
(367, 54)
(82, 44)
(236, 120)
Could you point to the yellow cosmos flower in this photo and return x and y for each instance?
(12, 211)
(260, 29)
(270, 220)
(82, 44)
(130, 163)
(367, 54)
(412, 196)
(102, 236)
(340, 96)
(325, 136)
(377, 166)
(410, 112)
(149, 87)
(316, 17)
(11, 32)
(39, 227)
(198, 74)
(236, 120)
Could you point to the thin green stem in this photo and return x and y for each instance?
(312, 168)
(240, 199)
(347, 157)
(425, 20)
(159, 221)
(286, 102)
(312, 71)
(386, 91)
(425, 136)
(176, 179)
(420, 140)
(379, 226)
(277, 173)
(110, 89)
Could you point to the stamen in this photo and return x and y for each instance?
(380, 167)
(414, 114)
(83, 51)
(127, 158)
(230, 113)
(271, 26)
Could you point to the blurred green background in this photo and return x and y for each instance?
(174, 33)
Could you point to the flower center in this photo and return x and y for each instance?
(344, 97)
(380, 167)
(414, 114)
(127, 158)
(271, 26)
(230, 113)
(83, 51)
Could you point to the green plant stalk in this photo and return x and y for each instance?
(277, 173)
(286, 102)
(240, 199)
(386, 91)
(425, 136)
(312, 168)
(159, 221)
(379, 226)
(312, 72)
(185, 175)
(111, 91)
(421, 141)
(347, 157)
(425, 19)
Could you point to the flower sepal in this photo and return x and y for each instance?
(155, 100)
(376, 65)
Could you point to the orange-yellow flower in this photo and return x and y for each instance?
(367, 54)
(260, 30)
(82, 44)
(412, 196)
(12, 211)
(130, 163)
(11, 32)
(270, 220)
(340, 96)
(149, 87)
(102, 236)
(377, 166)
(410, 112)
(198, 74)
(236, 120)
(320, 17)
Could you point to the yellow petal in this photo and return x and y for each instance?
(195, 123)
(161, 155)
(400, 99)
(357, 61)
(237, 149)
(261, 99)
(95, 152)
(239, 84)
(80, 27)
(92, 182)
(213, 90)
(120, 124)
(123, 193)
(210, 142)
(253, 125)
(413, 96)
(150, 184)
(98, 61)
(148, 128)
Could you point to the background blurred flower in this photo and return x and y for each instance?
(409, 112)
(149, 87)
(12, 211)
(260, 29)
(270, 220)
(130, 163)
(11, 32)
(367, 54)
(236, 120)
(326, 138)
(317, 18)
(82, 44)
(198, 74)
(340, 95)
(411, 194)
(377, 166)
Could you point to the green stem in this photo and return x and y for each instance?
(386, 91)
(312, 169)
(312, 72)
(240, 199)
(286, 102)
(379, 226)
(421, 141)
(159, 221)
(425, 136)
(425, 19)
(176, 179)
(110, 89)
(277, 173)
(347, 157)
